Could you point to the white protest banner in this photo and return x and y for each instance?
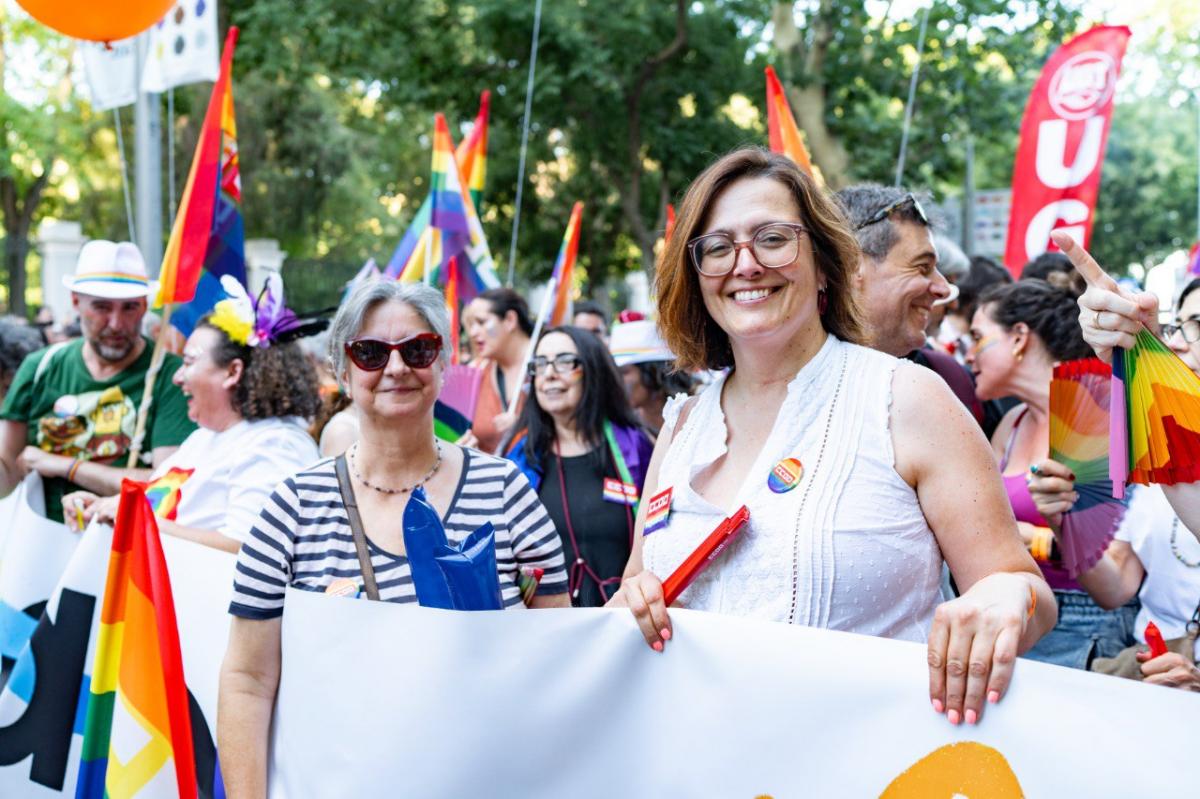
(111, 71)
(184, 47)
(381, 699)
(43, 702)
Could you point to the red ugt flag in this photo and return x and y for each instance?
(1057, 173)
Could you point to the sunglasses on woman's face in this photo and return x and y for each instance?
(417, 352)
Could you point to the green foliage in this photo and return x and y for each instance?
(335, 102)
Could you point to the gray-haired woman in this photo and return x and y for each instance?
(386, 348)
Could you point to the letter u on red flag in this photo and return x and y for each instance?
(1056, 177)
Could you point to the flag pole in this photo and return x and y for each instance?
(428, 276)
(156, 360)
(533, 51)
(543, 313)
(912, 97)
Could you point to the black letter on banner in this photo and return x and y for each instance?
(45, 728)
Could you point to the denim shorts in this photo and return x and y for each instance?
(1085, 631)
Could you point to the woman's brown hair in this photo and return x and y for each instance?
(697, 341)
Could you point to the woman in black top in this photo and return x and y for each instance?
(583, 450)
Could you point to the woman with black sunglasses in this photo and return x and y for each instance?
(583, 450)
(336, 527)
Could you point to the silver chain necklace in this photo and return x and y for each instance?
(1175, 546)
(383, 490)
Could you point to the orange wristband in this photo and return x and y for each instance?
(74, 468)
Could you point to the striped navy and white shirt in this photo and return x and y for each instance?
(302, 538)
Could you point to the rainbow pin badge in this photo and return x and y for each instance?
(785, 476)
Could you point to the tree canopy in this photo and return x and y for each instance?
(335, 103)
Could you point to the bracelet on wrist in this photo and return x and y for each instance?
(74, 468)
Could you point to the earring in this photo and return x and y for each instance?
(1018, 354)
(822, 302)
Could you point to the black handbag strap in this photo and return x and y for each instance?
(356, 527)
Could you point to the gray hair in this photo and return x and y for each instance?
(425, 300)
(952, 261)
(859, 203)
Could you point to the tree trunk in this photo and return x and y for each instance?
(631, 198)
(806, 94)
(18, 219)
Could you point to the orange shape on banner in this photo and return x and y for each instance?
(971, 770)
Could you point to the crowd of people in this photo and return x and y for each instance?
(878, 402)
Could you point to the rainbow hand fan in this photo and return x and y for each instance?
(1079, 432)
(1156, 434)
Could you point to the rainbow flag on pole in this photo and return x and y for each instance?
(782, 131)
(137, 737)
(477, 271)
(564, 270)
(207, 238)
(472, 153)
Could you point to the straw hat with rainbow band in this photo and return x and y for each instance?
(111, 270)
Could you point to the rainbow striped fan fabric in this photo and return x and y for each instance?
(1156, 416)
(1079, 439)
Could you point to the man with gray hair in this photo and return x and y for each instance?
(897, 283)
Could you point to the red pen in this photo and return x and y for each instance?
(1155, 641)
(704, 554)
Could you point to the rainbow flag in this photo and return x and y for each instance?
(564, 271)
(207, 238)
(138, 696)
(472, 153)
(783, 134)
(1194, 260)
(163, 494)
(477, 271)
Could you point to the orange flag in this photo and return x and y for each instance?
(781, 126)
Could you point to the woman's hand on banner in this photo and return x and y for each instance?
(1110, 316)
(81, 507)
(643, 595)
(77, 509)
(973, 645)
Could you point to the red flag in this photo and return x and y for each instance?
(1057, 173)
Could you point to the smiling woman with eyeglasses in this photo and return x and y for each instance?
(331, 527)
(861, 472)
(583, 450)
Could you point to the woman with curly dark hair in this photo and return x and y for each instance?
(251, 390)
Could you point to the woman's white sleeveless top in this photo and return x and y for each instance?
(848, 548)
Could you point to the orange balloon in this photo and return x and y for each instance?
(97, 20)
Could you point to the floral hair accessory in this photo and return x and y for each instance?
(234, 315)
(261, 322)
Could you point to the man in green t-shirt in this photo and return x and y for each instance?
(71, 411)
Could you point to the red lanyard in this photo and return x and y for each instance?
(580, 567)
